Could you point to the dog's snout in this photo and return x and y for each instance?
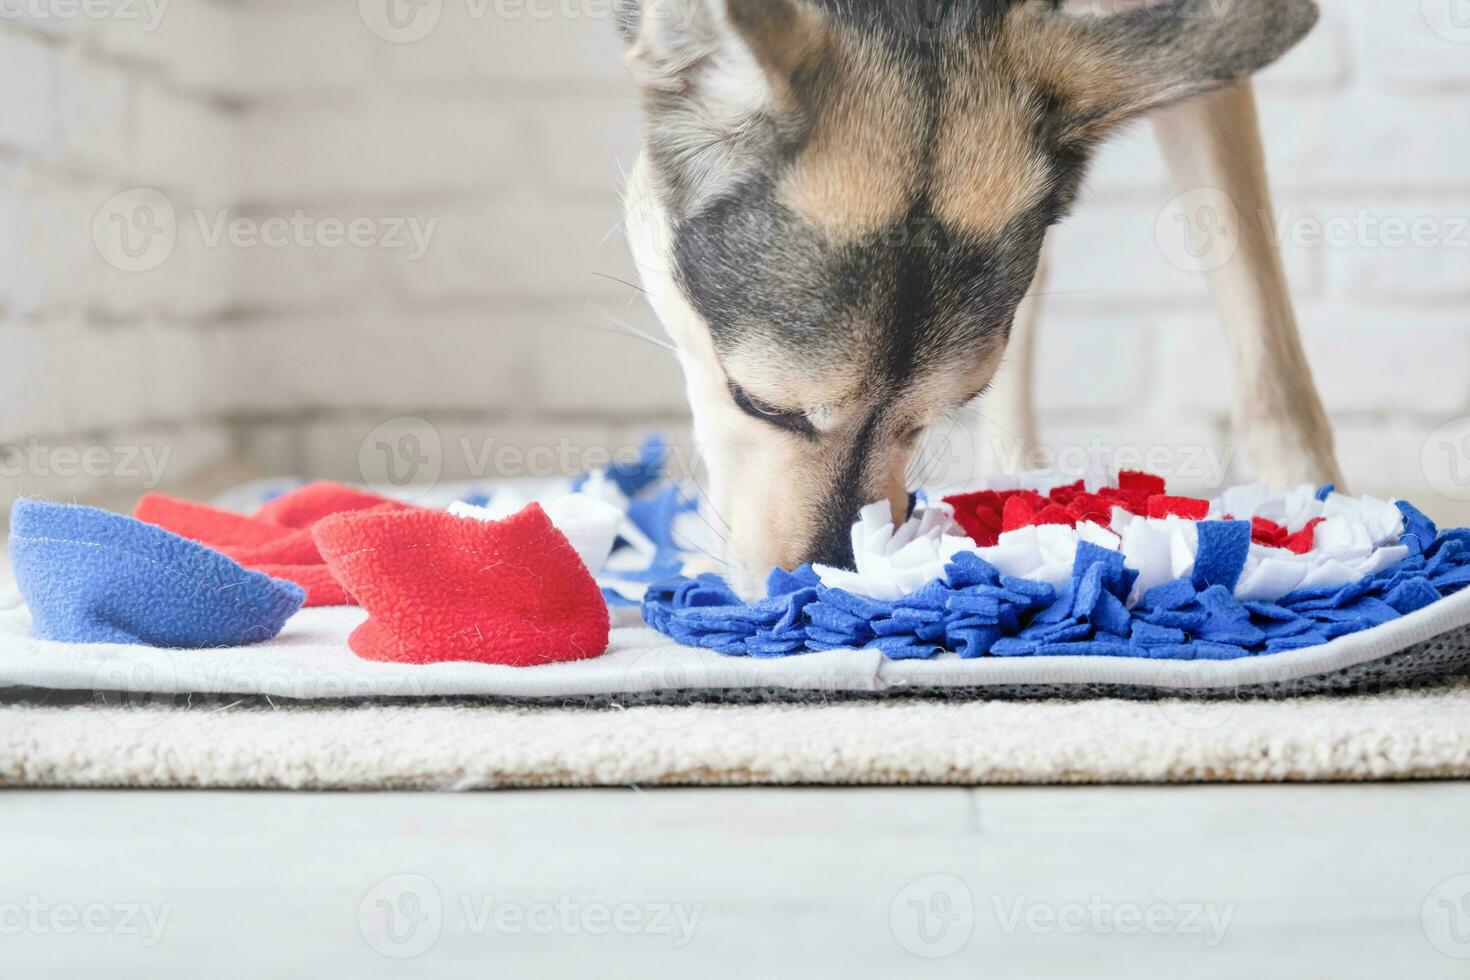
(833, 543)
(832, 546)
(831, 540)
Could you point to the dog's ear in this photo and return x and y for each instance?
(1105, 61)
(721, 83)
(770, 42)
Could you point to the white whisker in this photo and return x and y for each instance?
(628, 329)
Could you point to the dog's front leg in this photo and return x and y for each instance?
(1214, 143)
(1009, 407)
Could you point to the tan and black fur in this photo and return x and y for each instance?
(842, 203)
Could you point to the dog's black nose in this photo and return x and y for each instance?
(837, 554)
(833, 544)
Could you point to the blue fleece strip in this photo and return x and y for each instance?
(90, 576)
(974, 610)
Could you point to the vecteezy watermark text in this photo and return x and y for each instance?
(148, 13)
(1364, 229)
(1202, 465)
(1200, 230)
(403, 916)
(675, 920)
(38, 460)
(137, 230)
(409, 451)
(38, 918)
(303, 230)
(1206, 920)
(934, 916)
(407, 21)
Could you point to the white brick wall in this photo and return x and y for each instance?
(28, 114)
(98, 365)
(509, 132)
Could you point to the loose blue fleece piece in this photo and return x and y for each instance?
(655, 517)
(974, 610)
(1223, 547)
(90, 576)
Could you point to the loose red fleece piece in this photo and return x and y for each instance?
(1273, 535)
(276, 539)
(438, 587)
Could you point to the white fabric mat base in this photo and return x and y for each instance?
(310, 660)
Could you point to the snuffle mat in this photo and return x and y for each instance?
(1040, 584)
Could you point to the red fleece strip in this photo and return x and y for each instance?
(438, 587)
(1189, 508)
(988, 514)
(1303, 541)
(304, 506)
(207, 525)
(1272, 535)
(276, 539)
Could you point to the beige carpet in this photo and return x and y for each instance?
(1404, 735)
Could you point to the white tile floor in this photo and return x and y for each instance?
(1203, 882)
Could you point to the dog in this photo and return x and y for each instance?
(840, 206)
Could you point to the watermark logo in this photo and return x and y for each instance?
(148, 14)
(401, 916)
(1446, 917)
(126, 687)
(136, 230)
(401, 21)
(1198, 231)
(1445, 459)
(933, 917)
(1194, 708)
(949, 455)
(1450, 19)
(654, 671)
(401, 453)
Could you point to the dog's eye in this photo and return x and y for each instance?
(779, 417)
